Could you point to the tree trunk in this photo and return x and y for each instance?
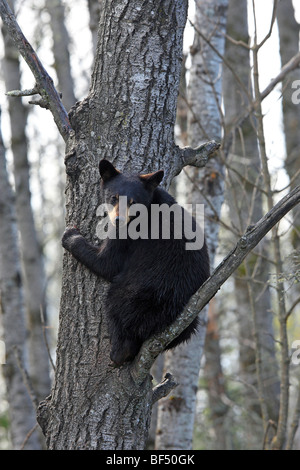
(22, 413)
(61, 51)
(245, 200)
(127, 118)
(289, 46)
(32, 260)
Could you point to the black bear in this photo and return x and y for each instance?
(152, 275)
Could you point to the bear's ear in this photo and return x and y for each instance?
(107, 170)
(152, 180)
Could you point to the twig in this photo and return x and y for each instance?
(271, 26)
(290, 310)
(288, 67)
(25, 377)
(270, 424)
(45, 337)
(20, 93)
(44, 83)
(28, 435)
(224, 60)
(152, 348)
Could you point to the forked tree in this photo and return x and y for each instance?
(128, 118)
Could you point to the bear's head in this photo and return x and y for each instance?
(122, 191)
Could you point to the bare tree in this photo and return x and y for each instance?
(289, 48)
(22, 412)
(32, 260)
(61, 53)
(245, 177)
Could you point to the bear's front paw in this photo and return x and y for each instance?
(67, 237)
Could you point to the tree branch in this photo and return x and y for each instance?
(195, 157)
(155, 345)
(44, 83)
(20, 93)
(286, 69)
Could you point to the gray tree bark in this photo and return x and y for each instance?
(22, 412)
(32, 260)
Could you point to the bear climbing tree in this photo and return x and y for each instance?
(127, 118)
(153, 274)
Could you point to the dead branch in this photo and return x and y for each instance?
(44, 83)
(163, 389)
(199, 156)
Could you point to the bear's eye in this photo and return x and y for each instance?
(114, 199)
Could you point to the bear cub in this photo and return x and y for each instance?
(152, 276)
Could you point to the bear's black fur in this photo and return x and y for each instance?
(151, 279)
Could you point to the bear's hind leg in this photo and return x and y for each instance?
(123, 350)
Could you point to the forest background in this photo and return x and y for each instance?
(244, 359)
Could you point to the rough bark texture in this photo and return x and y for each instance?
(128, 118)
(176, 412)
